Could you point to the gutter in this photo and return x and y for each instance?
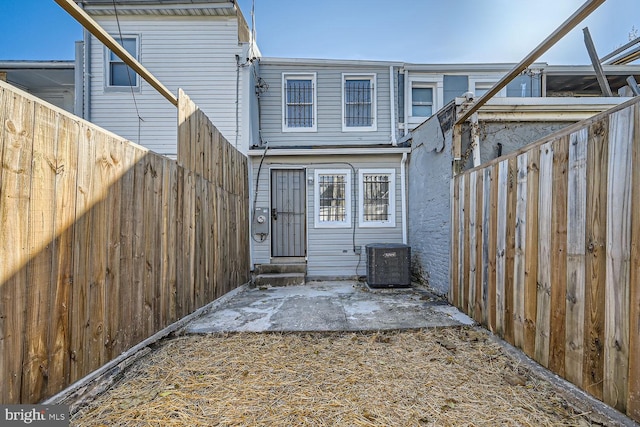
(403, 196)
(37, 65)
(273, 151)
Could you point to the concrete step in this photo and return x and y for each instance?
(282, 279)
(280, 268)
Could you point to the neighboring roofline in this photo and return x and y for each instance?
(551, 102)
(166, 7)
(329, 151)
(35, 65)
(587, 70)
(328, 62)
(439, 68)
(559, 109)
(498, 67)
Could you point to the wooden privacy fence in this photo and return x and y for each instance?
(103, 243)
(545, 252)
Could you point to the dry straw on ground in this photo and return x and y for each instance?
(440, 377)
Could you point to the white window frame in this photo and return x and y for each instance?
(488, 83)
(374, 96)
(300, 76)
(107, 66)
(346, 223)
(423, 81)
(391, 220)
(434, 95)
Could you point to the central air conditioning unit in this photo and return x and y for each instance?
(388, 265)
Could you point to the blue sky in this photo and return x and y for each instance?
(423, 31)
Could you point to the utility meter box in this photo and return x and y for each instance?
(261, 221)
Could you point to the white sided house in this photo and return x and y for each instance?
(201, 46)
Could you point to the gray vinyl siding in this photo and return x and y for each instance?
(329, 106)
(196, 54)
(330, 250)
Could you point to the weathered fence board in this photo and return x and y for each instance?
(41, 221)
(543, 317)
(520, 239)
(15, 191)
(565, 249)
(510, 251)
(473, 242)
(454, 292)
(531, 256)
(479, 245)
(486, 224)
(595, 262)
(576, 223)
(501, 242)
(104, 243)
(557, 339)
(466, 179)
(62, 256)
(461, 241)
(633, 400)
(493, 224)
(616, 327)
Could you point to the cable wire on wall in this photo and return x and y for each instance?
(129, 71)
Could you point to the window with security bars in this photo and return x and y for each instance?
(299, 103)
(359, 103)
(376, 198)
(375, 204)
(333, 198)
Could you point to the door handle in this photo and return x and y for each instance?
(274, 214)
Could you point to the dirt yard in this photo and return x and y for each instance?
(435, 377)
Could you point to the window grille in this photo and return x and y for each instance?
(332, 190)
(299, 110)
(358, 95)
(376, 197)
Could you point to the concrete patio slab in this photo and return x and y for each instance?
(328, 306)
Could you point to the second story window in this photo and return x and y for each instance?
(299, 106)
(358, 102)
(421, 101)
(118, 73)
(480, 85)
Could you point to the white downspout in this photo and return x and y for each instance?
(403, 196)
(86, 83)
(475, 139)
(392, 94)
(406, 101)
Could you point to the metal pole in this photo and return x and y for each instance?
(597, 67)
